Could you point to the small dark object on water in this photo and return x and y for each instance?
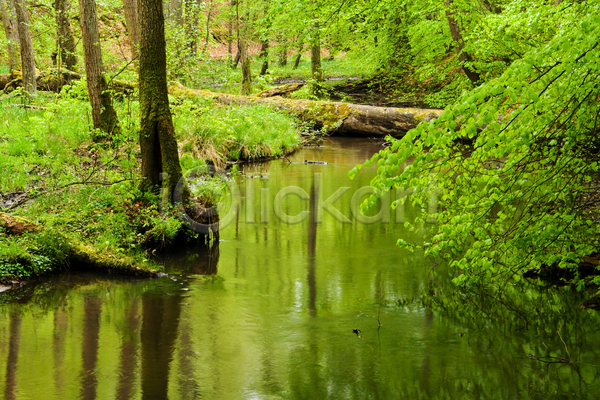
(315, 162)
(357, 331)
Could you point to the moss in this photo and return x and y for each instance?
(328, 115)
(421, 116)
(16, 225)
(31, 256)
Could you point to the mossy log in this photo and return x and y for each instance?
(53, 80)
(342, 119)
(80, 255)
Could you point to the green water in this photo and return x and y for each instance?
(269, 313)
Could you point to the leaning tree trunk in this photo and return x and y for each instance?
(157, 135)
(264, 53)
(103, 113)
(9, 20)
(463, 56)
(66, 38)
(298, 57)
(27, 59)
(133, 28)
(315, 63)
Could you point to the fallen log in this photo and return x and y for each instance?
(337, 118)
(54, 79)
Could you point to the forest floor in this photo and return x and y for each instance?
(74, 192)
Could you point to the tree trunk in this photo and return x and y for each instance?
(66, 39)
(462, 55)
(298, 57)
(283, 53)
(315, 63)
(230, 33)
(103, 113)
(27, 59)
(243, 53)
(192, 20)
(210, 7)
(236, 61)
(157, 135)
(133, 28)
(9, 20)
(176, 12)
(264, 53)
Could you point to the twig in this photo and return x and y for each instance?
(566, 349)
(26, 106)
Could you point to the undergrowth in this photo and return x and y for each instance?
(52, 174)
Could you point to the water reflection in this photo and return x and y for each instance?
(89, 353)
(10, 385)
(129, 351)
(268, 312)
(160, 322)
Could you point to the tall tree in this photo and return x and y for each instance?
(463, 56)
(283, 43)
(230, 18)
(9, 20)
(133, 28)
(157, 134)
(103, 113)
(27, 58)
(192, 13)
(315, 62)
(264, 53)
(208, 17)
(66, 38)
(243, 53)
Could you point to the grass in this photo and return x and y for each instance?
(220, 134)
(86, 193)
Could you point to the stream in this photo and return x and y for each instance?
(302, 298)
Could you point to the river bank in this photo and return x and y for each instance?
(79, 195)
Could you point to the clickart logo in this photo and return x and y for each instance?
(259, 204)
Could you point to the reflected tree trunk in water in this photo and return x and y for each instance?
(128, 356)
(311, 249)
(89, 355)
(160, 320)
(61, 324)
(13, 355)
(188, 388)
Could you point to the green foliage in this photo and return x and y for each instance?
(220, 134)
(163, 230)
(515, 164)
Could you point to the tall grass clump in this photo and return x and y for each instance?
(220, 134)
